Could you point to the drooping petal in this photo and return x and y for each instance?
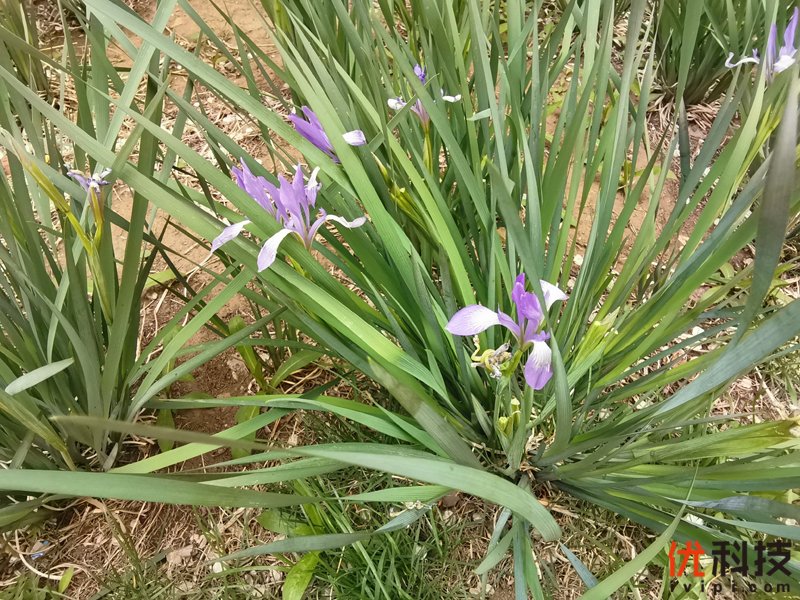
(509, 323)
(79, 177)
(741, 61)
(396, 103)
(227, 234)
(472, 320)
(552, 293)
(269, 251)
(355, 137)
(325, 217)
(538, 369)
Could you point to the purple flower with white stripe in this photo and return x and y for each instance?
(475, 318)
(291, 203)
(93, 182)
(311, 129)
(776, 59)
(419, 110)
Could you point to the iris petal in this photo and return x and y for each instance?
(507, 322)
(269, 251)
(472, 320)
(324, 218)
(741, 61)
(790, 31)
(538, 369)
(227, 234)
(552, 293)
(355, 137)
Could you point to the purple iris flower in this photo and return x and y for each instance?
(90, 183)
(475, 318)
(419, 110)
(311, 129)
(291, 203)
(777, 59)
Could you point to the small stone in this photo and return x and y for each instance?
(450, 500)
(216, 567)
(176, 557)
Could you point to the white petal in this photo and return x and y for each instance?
(269, 251)
(324, 218)
(741, 61)
(395, 103)
(783, 63)
(552, 293)
(355, 137)
(344, 222)
(471, 320)
(447, 98)
(538, 370)
(312, 180)
(227, 234)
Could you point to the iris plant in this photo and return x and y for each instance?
(291, 203)
(311, 129)
(419, 110)
(777, 59)
(527, 329)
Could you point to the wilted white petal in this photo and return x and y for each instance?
(538, 370)
(741, 61)
(269, 251)
(227, 234)
(355, 137)
(344, 222)
(324, 218)
(471, 320)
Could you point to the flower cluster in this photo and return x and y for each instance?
(419, 110)
(776, 59)
(291, 203)
(527, 328)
